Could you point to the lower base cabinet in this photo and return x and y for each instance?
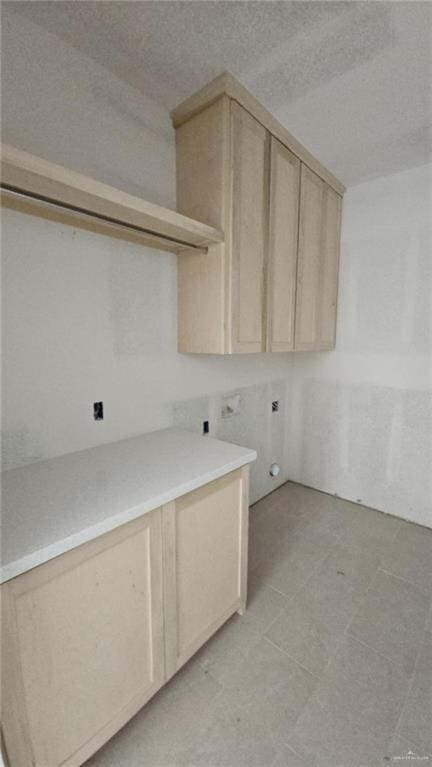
(89, 637)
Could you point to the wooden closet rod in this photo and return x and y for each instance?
(20, 193)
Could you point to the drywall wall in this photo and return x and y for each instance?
(361, 416)
(89, 318)
(61, 105)
(244, 415)
(86, 317)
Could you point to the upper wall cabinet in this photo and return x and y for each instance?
(272, 284)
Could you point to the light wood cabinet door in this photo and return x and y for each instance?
(249, 147)
(83, 645)
(282, 248)
(329, 271)
(318, 264)
(309, 259)
(205, 556)
(203, 192)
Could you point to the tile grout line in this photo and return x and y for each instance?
(379, 569)
(411, 685)
(312, 673)
(373, 649)
(348, 633)
(288, 745)
(315, 691)
(361, 604)
(338, 542)
(296, 593)
(360, 607)
(404, 580)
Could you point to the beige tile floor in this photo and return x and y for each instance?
(331, 666)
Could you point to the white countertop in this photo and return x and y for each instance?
(53, 506)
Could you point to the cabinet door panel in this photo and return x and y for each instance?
(282, 260)
(309, 259)
(249, 148)
(89, 626)
(205, 544)
(326, 334)
(203, 192)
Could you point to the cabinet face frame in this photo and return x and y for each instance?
(17, 725)
(175, 654)
(282, 247)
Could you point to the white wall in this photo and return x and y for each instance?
(63, 106)
(361, 419)
(87, 317)
(90, 318)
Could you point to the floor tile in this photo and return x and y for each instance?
(320, 516)
(429, 620)
(392, 620)
(292, 563)
(271, 688)
(339, 582)
(410, 556)
(398, 751)
(295, 498)
(416, 719)
(222, 654)
(288, 758)
(367, 526)
(311, 627)
(176, 715)
(307, 500)
(354, 710)
(293, 510)
(231, 644)
(268, 527)
(299, 633)
(234, 738)
(284, 685)
(354, 524)
(264, 604)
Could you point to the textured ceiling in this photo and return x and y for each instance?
(351, 80)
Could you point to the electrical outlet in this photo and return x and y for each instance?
(98, 413)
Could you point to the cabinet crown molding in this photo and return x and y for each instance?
(227, 85)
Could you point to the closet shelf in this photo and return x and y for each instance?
(34, 185)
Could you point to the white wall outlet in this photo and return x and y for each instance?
(230, 405)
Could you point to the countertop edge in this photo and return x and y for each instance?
(30, 561)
